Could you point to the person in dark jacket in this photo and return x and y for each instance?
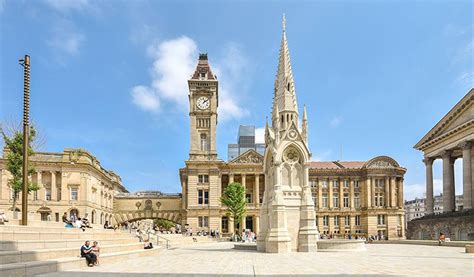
(86, 252)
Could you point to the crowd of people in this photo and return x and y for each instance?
(76, 222)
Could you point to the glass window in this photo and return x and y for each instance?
(356, 183)
(356, 200)
(74, 193)
(204, 143)
(346, 183)
(336, 220)
(335, 200)
(203, 221)
(347, 220)
(203, 178)
(325, 184)
(326, 220)
(335, 183)
(325, 200)
(48, 194)
(381, 219)
(357, 220)
(346, 200)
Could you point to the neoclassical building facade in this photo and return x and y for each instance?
(363, 197)
(72, 181)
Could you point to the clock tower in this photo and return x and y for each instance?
(203, 103)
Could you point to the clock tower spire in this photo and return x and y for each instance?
(203, 103)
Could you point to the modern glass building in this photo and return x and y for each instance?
(245, 142)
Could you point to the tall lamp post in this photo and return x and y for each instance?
(26, 124)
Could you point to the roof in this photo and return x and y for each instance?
(203, 67)
(337, 165)
(450, 117)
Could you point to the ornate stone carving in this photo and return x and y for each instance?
(148, 204)
(292, 134)
(158, 205)
(291, 155)
(465, 145)
(428, 161)
(381, 164)
(249, 158)
(138, 204)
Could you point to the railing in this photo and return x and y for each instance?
(163, 238)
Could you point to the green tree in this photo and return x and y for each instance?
(164, 223)
(234, 199)
(14, 161)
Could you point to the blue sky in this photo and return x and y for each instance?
(110, 76)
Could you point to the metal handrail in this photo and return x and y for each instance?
(158, 241)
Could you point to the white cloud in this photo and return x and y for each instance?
(260, 135)
(66, 39)
(68, 5)
(466, 78)
(2, 5)
(145, 98)
(174, 62)
(336, 121)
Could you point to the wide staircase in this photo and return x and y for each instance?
(171, 241)
(49, 247)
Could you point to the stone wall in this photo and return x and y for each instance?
(456, 226)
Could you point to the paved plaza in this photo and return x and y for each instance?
(219, 259)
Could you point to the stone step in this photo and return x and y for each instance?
(41, 267)
(35, 235)
(45, 229)
(8, 257)
(22, 245)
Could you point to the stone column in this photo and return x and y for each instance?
(256, 190)
(242, 223)
(387, 192)
(320, 193)
(341, 193)
(243, 182)
(400, 194)
(330, 193)
(368, 197)
(372, 181)
(429, 186)
(448, 185)
(256, 225)
(53, 186)
(393, 188)
(467, 175)
(230, 223)
(42, 190)
(231, 178)
(64, 189)
(351, 195)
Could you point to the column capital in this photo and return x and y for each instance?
(428, 161)
(446, 154)
(465, 145)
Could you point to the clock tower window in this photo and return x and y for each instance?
(204, 142)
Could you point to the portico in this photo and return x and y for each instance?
(450, 139)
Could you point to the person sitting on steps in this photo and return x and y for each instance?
(86, 252)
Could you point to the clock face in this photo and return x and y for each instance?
(203, 102)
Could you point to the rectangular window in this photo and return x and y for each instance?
(203, 221)
(317, 221)
(248, 198)
(357, 220)
(325, 200)
(356, 183)
(326, 220)
(315, 199)
(346, 200)
(336, 220)
(325, 184)
(74, 194)
(335, 183)
(203, 197)
(313, 184)
(47, 195)
(335, 200)
(346, 183)
(347, 220)
(356, 200)
(203, 179)
(381, 219)
(225, 224)
(206, 197)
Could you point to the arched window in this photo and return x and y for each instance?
(282, 119)
(204, 143)
(93, 217)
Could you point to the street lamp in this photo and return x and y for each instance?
(26, 122)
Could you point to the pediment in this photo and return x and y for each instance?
(460, 115)
(381, 162)
(248, 157)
